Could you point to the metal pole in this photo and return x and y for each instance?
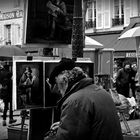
(138, 55)
(77, 30)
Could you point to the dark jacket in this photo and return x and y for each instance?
(88, 113)
(6, 82)
(123, 80)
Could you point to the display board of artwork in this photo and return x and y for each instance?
(48, 20)
(30, 81)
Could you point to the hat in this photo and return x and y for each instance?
(64, 64)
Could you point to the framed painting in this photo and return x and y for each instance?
(28, 84)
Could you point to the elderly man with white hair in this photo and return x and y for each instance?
(87, 111)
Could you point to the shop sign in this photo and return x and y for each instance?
(11, 15)
(131, 54)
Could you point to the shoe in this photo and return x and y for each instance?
(4, 123)
(12, 121)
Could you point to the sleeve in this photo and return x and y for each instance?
(74, 123)
(118, 77)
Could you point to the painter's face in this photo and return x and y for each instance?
(62, 84)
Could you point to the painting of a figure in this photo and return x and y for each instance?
(29, 85)
(49, 20)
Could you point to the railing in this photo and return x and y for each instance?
(117, 21)
(90, 24)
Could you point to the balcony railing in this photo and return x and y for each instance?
(117, 21)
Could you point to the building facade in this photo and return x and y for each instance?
(11, 22)
(106, 20)
(110, 15)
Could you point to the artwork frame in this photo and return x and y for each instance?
(27, 93)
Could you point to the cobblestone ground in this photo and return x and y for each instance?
(3, 129)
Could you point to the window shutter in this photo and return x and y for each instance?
(99, 14)
(14, 35)
(106, 13)
(127, 11)
(86, 15)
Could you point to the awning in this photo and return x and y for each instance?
(111, 41)
(108, 40)
(125, 45)
(128, 44)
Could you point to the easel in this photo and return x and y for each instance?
(24, 115)
(40, 121)
(122, 115)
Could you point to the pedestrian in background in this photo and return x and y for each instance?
(87, 111)
(133, 79)
(123, 80)
(6, 93)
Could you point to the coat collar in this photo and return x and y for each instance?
(77, 86)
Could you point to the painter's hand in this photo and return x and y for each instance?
(55, 126)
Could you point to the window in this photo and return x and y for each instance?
(8, 34)
(90, 14)
(103, 12)
(118, 13)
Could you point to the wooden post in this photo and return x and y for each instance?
(77, 30)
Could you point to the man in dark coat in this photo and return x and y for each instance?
(87, 111)
(123, 80)
(6, 93)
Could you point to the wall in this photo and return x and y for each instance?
(11, 13)
(104, 64)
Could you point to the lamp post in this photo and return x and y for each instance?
(77, 30)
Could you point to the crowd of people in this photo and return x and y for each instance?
(127, 79)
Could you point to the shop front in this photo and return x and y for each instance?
(120, 57)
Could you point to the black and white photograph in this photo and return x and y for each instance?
(28, 85)
(69, 69)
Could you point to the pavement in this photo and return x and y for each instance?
(133, 125)
(4, 129)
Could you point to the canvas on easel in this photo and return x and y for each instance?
(27, 84)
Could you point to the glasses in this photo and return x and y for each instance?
(134, 65)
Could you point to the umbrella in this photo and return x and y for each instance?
(134, 32)
(91, 42)
(11, 50)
